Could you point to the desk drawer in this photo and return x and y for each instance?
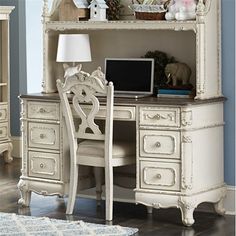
(119, 113)
(44, 165)
(43, 135)
(3, 131)
(3, 113)
(42, 110)
(164, 144)
(160, 175)
(160, 116)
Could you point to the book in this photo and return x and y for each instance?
(175, 93)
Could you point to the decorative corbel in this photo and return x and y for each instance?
(45, 14)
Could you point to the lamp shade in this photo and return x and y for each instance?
(73, 48)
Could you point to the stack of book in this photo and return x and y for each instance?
(175, 93)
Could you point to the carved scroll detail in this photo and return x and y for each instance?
(186, 118)
(159, 117)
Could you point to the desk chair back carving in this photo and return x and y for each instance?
(88, 145)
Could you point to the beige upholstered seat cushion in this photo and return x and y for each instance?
(96, 149)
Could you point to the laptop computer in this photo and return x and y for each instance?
(132, 77)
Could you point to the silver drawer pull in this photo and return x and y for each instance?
(1, 132)
(158, 176)
(42, 136)
(158, 144)
(0, 114)
(42, 110)
(42, 165)
(156, 117)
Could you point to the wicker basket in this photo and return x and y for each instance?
(150, 15)
(148, 12)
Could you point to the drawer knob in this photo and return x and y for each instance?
(42, 136)
(158, 176)
(158, 144)
(42, 165)
(42, 110)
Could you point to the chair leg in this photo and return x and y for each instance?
(98, 173)
(72, 189)
(109, 193)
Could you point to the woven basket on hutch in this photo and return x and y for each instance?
(148, 12)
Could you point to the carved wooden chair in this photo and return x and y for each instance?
(88, 145)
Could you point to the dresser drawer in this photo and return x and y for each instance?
(42, 110)
(119, 112)
(159, 116)
(160, 175)
(3, 131)
(43, 135)
(163, 144)
(44, 165)
(3, 113)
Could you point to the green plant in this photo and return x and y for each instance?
(113, 12)
(161, 59)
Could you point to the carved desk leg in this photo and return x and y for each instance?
(187, 208)
(25, 193)
(149, 209)
(7, 154)
(219, 206)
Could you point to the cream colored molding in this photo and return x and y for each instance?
(120, 25)
(146, 139)
(187, 163)
(159, 176)
(186, 118)
(159, 117)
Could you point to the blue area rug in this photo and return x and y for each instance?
(19, 225)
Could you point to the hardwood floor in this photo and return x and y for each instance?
(162, 222)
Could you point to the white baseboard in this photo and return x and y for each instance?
(16, 142)
(229, 201)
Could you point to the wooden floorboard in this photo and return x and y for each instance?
(162, 222)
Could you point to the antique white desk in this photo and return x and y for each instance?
(179, 151)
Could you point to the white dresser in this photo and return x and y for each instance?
(5, 136)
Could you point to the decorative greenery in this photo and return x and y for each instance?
(113, 12)
(160, 61)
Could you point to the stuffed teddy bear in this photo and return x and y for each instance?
(181, 10)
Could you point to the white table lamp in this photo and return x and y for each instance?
(73, 48)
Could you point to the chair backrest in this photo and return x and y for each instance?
(77, 92)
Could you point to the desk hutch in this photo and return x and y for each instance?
(179, 142)
(5, 137)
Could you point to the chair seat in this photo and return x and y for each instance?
(95, 149)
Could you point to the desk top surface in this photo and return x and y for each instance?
(152, 100)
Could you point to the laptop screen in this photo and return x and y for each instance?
(130, 75)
